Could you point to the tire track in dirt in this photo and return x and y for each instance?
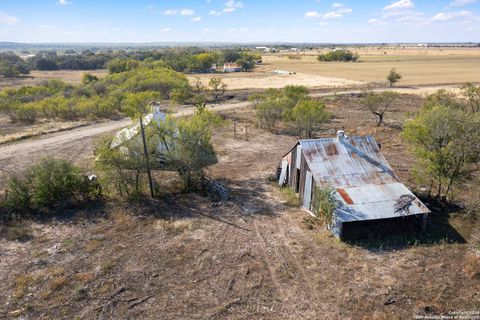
(289, 279)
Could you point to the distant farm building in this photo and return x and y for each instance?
(231, 67)
(265, 49)
(283, 72)
(369, 196)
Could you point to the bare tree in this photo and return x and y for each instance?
(378, 103)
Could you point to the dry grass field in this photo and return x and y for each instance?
(418, 66)
(254, 256)
(37, 77)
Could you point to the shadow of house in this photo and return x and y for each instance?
(367, 191)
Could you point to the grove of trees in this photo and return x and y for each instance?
(190, 59)
(93, 98)
(339, 55)
(12, 65)
(292, 107)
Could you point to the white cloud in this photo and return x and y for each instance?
(400, 5)
(166, 30)
(215, 13)
(232, 6)
(448, 16)
(63, 2)
(459, 3)
(344, 10)
(197, 19)
(338, 10)
(332, 15)
(312, 14)
(7, 20)
(187, 12)
(182, 12)
(170, 12)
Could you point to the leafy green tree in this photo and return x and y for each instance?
(270, 112)
(136, 104)
(446, 142)
(46, 64)
(273, 104)
(443, 98)
(379, 103)
(245, 64)
(121, 65)
(339, 55)
(472, 95)
(12, 65)
(202, 61)
(191, 150)
(393, 77)
(46, 185)
(217, 89)
(8, 71)
(308, 116)
(123, 171)
(296, 93)
(88, 78)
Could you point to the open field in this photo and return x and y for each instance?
(37, 77)
(436, 67)
(251, 257)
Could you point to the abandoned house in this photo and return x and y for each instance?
(368, 195)
(231, 67)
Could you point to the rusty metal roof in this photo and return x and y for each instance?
(367, 188)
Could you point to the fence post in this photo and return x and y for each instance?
(246, 133)
(235, 130)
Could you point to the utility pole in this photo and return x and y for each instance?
(150, 182)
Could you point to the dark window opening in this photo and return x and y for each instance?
(297, 186)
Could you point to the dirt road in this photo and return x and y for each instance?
(76, 144)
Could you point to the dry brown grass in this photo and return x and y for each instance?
(16, 232)
(92, 245)
(58, 283)
(21, 285)
(84, 276)
(430, 66)
(415, 69)
(37, 77)
(472, 265)
(173, 226)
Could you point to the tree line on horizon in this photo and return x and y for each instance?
(191, 59)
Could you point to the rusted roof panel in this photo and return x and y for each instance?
(331, 161)
(369, 187)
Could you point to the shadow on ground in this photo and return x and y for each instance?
(439, 231)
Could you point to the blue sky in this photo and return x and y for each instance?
(240, 21)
